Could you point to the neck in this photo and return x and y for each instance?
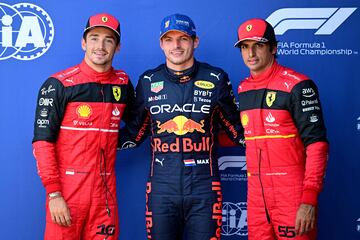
(98, 68)
(257, 73)
(180, 67)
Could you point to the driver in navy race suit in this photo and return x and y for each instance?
(180, 104)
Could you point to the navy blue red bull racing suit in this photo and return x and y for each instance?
(182, 110)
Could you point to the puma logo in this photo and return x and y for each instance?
(160, 161)
(214, 75)
(148, 77)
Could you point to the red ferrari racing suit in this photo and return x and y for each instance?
(286, 149)
(76, 130)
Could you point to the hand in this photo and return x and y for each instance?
(305, 219)
(59, 211)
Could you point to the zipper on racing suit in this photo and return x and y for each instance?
(262, 190)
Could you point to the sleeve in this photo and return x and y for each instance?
(308, 117)
(48, 116)
(137, 126)
(228, 112)
(130, 100)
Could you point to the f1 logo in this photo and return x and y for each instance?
(325, 20)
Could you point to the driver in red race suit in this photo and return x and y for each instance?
(75, 138)
(182, 104)
(286, 144)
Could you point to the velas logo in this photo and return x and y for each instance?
(180, 125)
(26, 33)
(324, 20)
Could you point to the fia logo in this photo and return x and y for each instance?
(358, 225)
(26, 31)
(358, 126)
(234, 219)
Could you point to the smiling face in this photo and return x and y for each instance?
(100, 46)
(257, 56)
(178, 48)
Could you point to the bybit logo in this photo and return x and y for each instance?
(26, 31)
(325, 20)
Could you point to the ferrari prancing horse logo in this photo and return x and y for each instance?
(270, 98)
(116, 92)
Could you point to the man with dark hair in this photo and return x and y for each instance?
(182, 102)
(75, 137)
(286, 144)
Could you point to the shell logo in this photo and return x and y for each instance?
(204, 84)
(84, 111)
(244, 119)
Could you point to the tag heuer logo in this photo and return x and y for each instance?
(157, 86)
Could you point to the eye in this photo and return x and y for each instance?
(110, 40)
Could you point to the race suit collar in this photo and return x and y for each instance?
(182, 76)
(94, 75)
(266, 75)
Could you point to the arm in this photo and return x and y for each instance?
(229, 115)
(49, 113)
(308, 117)
(137, 120)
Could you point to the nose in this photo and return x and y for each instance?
(177, 43)
(252, 51)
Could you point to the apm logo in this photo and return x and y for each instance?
(26, 31)
(325, 20)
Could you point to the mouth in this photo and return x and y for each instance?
(252, 61)
(100, 53)
(177, 52)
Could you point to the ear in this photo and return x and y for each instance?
(196, 42)
(161, 44)
(117, 49)
(83, 44)
(274, 50)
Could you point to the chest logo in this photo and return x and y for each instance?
(270, 98)
(157, 86)
(116, 92)
(244, 120)
(84, 111)
(180, 125)
(204, 84)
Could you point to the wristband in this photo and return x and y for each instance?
(54, 195)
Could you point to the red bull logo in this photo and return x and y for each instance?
(217, 210)
(187, 145)
(148, 213)
(180, 125)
